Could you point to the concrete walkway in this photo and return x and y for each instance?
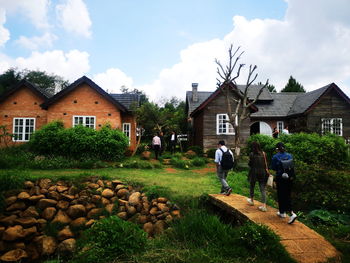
(301, 242)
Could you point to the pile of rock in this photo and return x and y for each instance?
(30, 213)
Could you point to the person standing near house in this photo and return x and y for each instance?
(156, 145)
(173, 140)
(283, 182)
(221, 158)
(258, 171)
(162, 143)
(275, 133)
(285, 130)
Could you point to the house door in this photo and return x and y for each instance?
(261, 128)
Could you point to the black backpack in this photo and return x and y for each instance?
(288, 167)
(226, 160)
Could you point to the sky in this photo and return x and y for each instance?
(161, 46)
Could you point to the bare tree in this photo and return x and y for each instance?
(238, 107)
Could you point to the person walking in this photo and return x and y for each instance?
(283, 181)
(221, 168)
(173, 140)
(258, 171)
(156, 145)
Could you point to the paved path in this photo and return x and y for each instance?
(301, 242)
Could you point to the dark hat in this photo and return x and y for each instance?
(280, 146)
(221, 142)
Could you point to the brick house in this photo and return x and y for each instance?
(324, 110)
(25, 108)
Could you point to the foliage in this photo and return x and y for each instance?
(180, 163)
(79, 142)
(197, 161)
(110, 238)
(293, 86)
(138, 164)
(211, 153)
(197, 149)
(326, 151)
(325, 217)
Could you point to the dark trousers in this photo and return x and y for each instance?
(156, 149)
(284, 190)
(172, 146)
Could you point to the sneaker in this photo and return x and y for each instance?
(262, 208)
(282, 215)
(229, 191)
(292, 218)
(250, 202)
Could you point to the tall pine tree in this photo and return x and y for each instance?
(293, 86)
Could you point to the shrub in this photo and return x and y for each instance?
(211, 153)
(138, 164)
(197, 161)
(197, 149)
(179, 163)
(109, 239)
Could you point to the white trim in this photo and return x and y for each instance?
(224, 127)
(330, 125)
(127, 129)
(282, 126)
(84, 122)
(23, 125)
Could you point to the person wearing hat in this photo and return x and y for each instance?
(283, 183)
(220, 171)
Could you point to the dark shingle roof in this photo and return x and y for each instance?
(253, 91)
(127, 100)
(192, 105)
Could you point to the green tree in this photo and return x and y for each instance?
(8, 79)
(293, 86)
(270, 87)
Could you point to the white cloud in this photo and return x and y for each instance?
(74, 17)
(311, 43)
(112, 80)
(4, 33)
(35, 10)
(70, 65)
(35, 43)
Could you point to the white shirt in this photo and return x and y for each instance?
(156, 140)
(285, 131)
(172, 137)
(218, 154)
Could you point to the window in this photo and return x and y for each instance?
(87, 121)
(23, 128)
(332, 125)
(126, 129)
(222, 126)
(280, 126)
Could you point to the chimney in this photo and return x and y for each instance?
(194, 92)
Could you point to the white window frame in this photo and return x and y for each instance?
(24, 131)
(84, 123)
(329, 125)
(127, 129)
(224, 127)
(280, 124)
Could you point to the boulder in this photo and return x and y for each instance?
(100, 183)
(61, 217)
(96, 199)
(54, 195)
(134, 198)
(123, 193)
(23, 196)
(65, 233)
(76, 211)
(8, 221)
(13, 233)
(158, 227)
(48, 245)
(123, 215)
(49, 213)
(36, 198)
(93, 186)
(162, 200)
(109, 208)
(68, 197)
(28, 184)
(25, 221)
(131, 210)
(16, 206)
(148, 228)
(30, 212)
(107, 193)
(62, 205)
(146, 155)
(67, 246)
(62, 188)
(14, 255)
(78, 222)
(10, 200)
(44, 183)
(43, 203)
(94, 212)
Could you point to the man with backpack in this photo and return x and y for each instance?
(282, 163)
(224, 163)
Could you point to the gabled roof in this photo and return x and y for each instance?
(77, 83)
(127, 99)
(253, 91)
(38, 91)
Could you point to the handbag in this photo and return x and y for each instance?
(270, 178)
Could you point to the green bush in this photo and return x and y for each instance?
(139, 164)
(197, 161)
(211, 153)
(16, 157)
(79, 142)
(179, 163)
(198, 150)
(327, 150)
(110, 239)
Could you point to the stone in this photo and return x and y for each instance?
(30, 212)
(142, 219)
(146, 155)
(54, 195)
(68, 197)
(48, 245)
(13, 233)
(65, 233)
(10, 200)
(122, 202)
(14, 255)
(43, 203)
(90, 223)
(44, 183)
(96, 199)
(52, 188)
(76, 211)
(23, 196)
(163, 207)
(8, 221)
(123, 215)
(61, 217)
(30, 231)
(123, 193)
(67, 246)
(121, 209)
(131, 210)
(175, 213)
(94, 213)
(16, 206)
(62, 188)
(35, 190)
(109, 208)
(49, 213)
(154, 211)
(162, 200)
(159, 227)
(120, 186)
(36, 198)
(168, 218)
(78, 222)
(134, 198)
(73, 190)
(90, 206)
(62, 205)
(100, 183)
(108, 184)
(28, 184)
(41, 223)
(105, 201)
(148, 228)
(32, 251)
(84, 200)
(93, 186)
(116, 182)
(107, 193)
(25, 221)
